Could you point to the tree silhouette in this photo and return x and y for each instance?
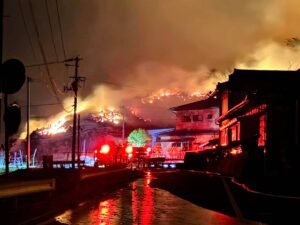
(138, 137)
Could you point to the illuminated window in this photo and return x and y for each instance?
(197, 118)
(235, 132)
(186, 119)
(238, 131)
(224, 137)
(262, 130)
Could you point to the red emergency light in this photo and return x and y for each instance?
(129, 149)
(105, 149)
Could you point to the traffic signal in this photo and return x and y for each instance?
(12, 119)
(12, 76)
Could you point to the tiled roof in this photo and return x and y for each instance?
(211, 102)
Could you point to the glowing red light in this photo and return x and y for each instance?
(95, 151)
(236, 151)
(148, 149)
(129, 149)
(105, 149)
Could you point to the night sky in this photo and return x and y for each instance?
(132, 49)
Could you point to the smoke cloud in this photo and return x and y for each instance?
(133, 49)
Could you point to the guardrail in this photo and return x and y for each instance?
(26, 187)
(49, 164)
(100, 173)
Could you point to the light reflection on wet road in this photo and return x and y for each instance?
(141, 204)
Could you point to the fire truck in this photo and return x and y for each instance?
(103, 157)
(108, 155)
(137, 156)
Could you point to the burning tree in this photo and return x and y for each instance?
(138, 137)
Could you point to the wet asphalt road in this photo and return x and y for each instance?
(145, 204)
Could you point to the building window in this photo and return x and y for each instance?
(235, 132)
(238, 131)
(197, 118)
(224, 137)
(176, 144)
(262, 130)
(186, 119)
(209, 116)
(185, 146)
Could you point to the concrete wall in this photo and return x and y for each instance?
(208, 119)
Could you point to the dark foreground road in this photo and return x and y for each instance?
(140, 204)
(221, 194)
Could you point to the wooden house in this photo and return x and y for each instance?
(259, 117)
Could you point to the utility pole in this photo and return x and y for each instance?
(78, 141)
(123, 125)
(3, 101)
(28, 122)
(1, 28)
(74, 87)
(6, 138)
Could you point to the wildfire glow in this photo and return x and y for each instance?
(52, 126)
(236, 151)
(90, 105)
(57, 127)
(164, 93)
(136, 113)
(107, 115)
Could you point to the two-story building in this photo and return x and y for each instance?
(259, 118)
(195, 129)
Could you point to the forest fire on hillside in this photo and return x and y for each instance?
(107, 115)
(57, 127)
(165, 93)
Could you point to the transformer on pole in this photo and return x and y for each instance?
(74, 87)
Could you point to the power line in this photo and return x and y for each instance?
(43, 64)
(62, 39)
(26, 29)
(53, 85)
(41, 48)
(51, 29)
(60, 29)
(31, 43)
(30, 40)
(41, 105)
